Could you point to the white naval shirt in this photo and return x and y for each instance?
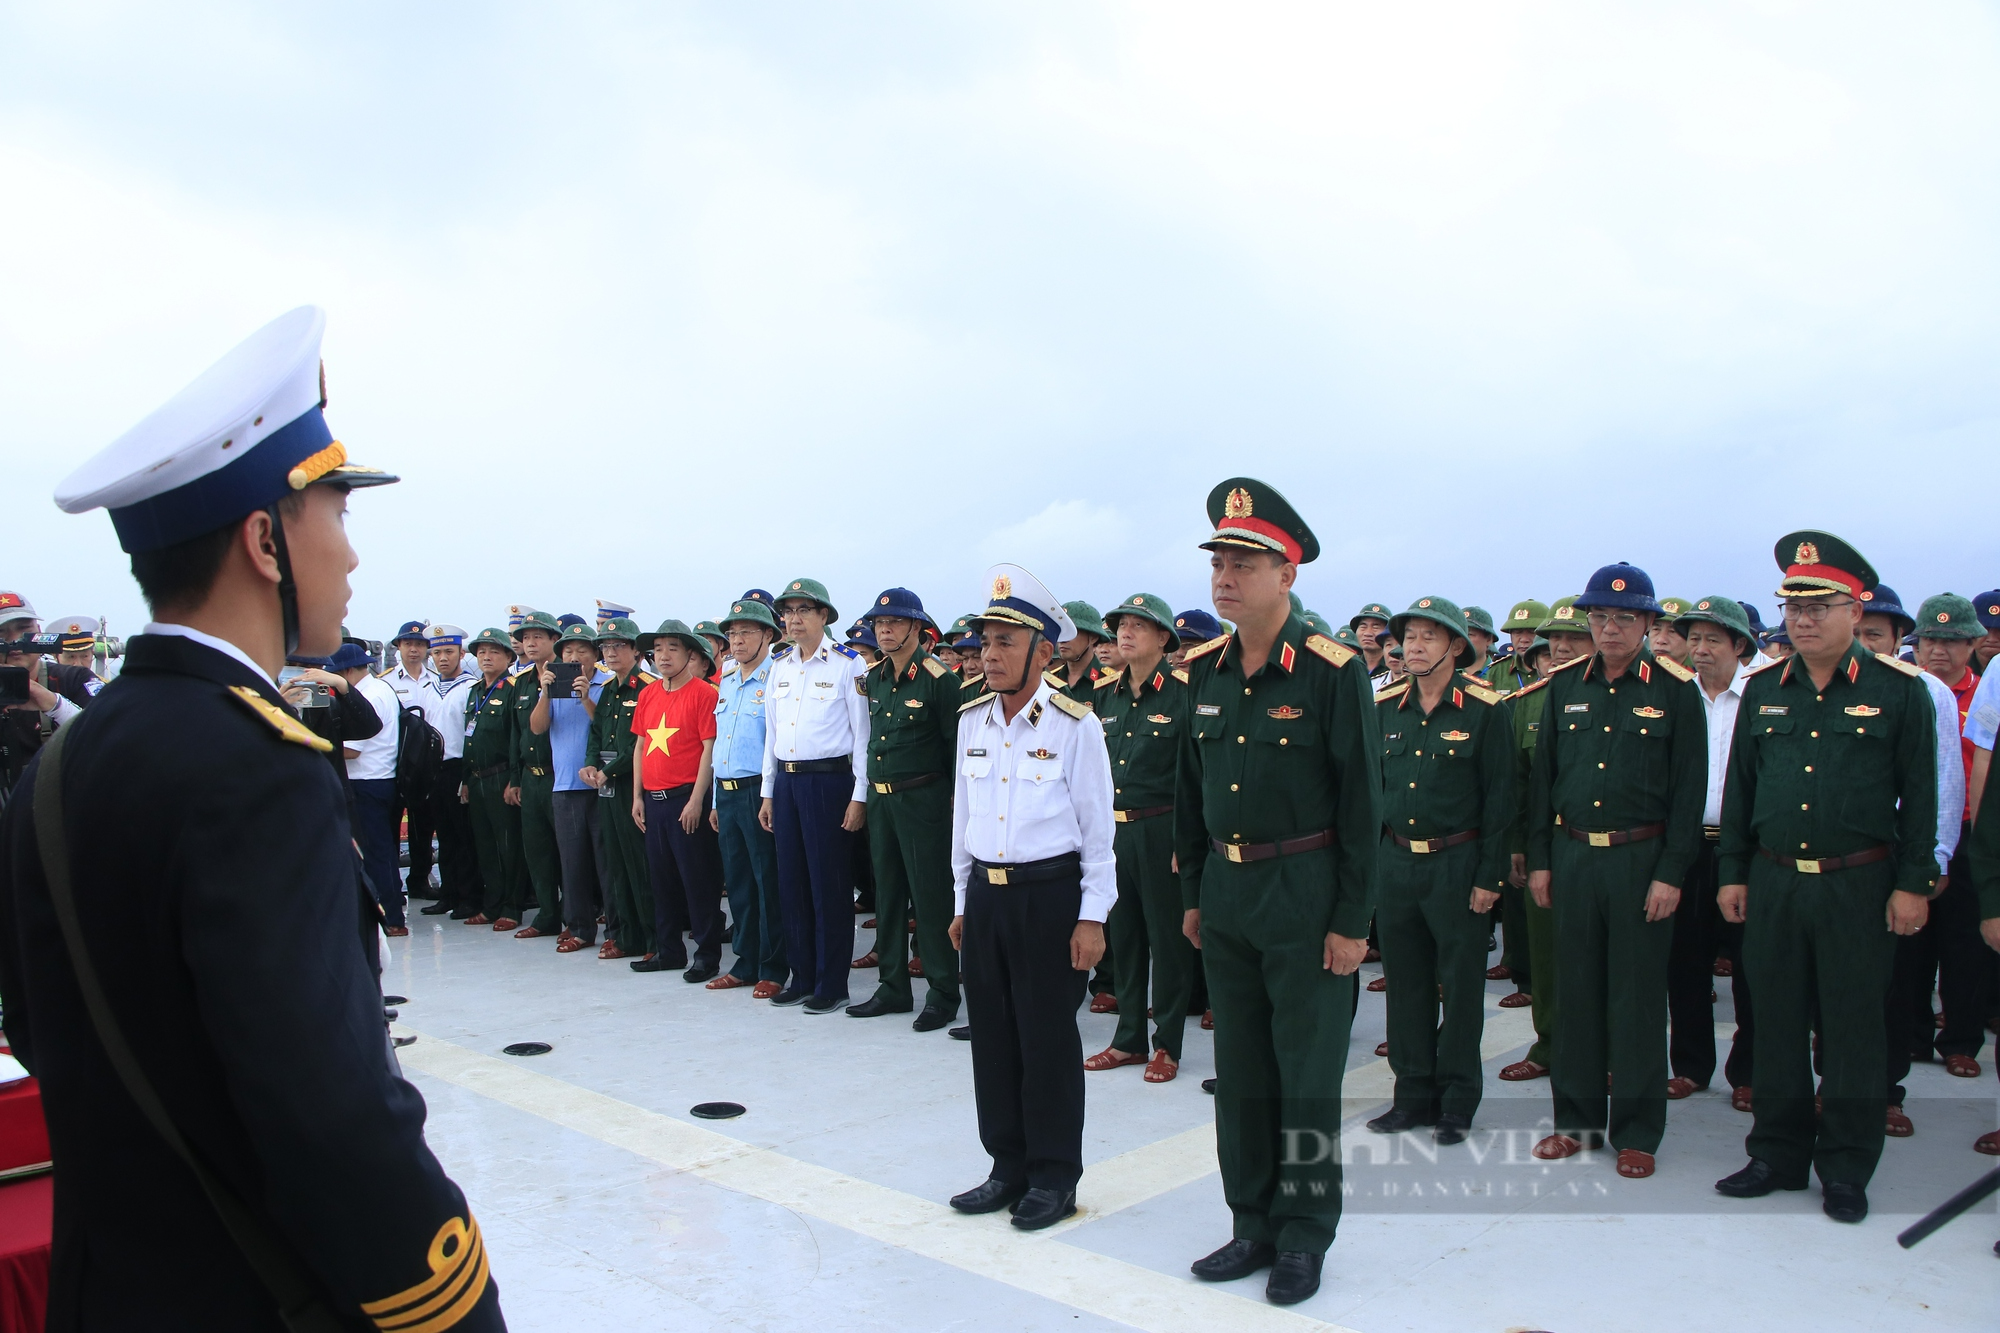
(1951, 772)
(375, 757)
(1030, 789)
(406, 686)
(443, 705)
(815, 709)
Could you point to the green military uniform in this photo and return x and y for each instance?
(534, 773)
(628, 884)
(1818, 775)
(912, 733)
(1508, 675)
(1614, 803)
(1144, 720)
(1480, 619)
(1447, 806)
(1513, 672)
(1083, 689)
(489, 763)
(1277, 818)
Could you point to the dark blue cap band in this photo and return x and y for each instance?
(258, 477)
(1035, 616)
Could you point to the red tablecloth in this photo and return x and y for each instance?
(26, 1216)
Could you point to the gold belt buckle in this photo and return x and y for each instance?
(1599, 839)
(995, 875)
(1421, 846)
(1121, 816)
(1232, 852)
(883, 788)
(791, 767)
(1807, 867)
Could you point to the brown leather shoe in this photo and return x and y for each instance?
(1961, 1066)
(1162, 1068)
(1208, 1020)
(1679, 1088)
(1112, 1058)
(1739, 1098)
(1722, 968)
(1498, 972)
(570, 944)
(478, 919)
(1988, 1143)
(504, 923)
(916, 967)
(869, 959)
(1381, 1050)
(395, 932)
(1898, 1126)
(1104, 1002)
(610, 949)
(1556, 1147)
(530, 933)
(1523, 1070)
(1520, 999)
(1633, 1164)
(765, 990)
(1379, 985)
(727, 981)
(1374, 955)
(869, 924)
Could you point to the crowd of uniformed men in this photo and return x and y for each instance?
(1189, 815)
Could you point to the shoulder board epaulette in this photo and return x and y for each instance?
(1480, 690)
(1203, 650)
(878, 662)
(1673, 668)
(1907, 668)
(648, 678)
(1181, 675)
(843, 650)
(1760, 670)
(1055, 679)
(1396, 691)
(1337, 653)
(383, 674)
(1076, 708)
(935, 667)
(519, 672)
(780, 651)
(281, 722)
(974, 703)
(1109, 678)
(1541, 681)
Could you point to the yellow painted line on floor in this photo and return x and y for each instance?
(984, 1246)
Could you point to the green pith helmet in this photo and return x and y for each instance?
(1949, 616)
(1442, 613)
(811, 590)
(1145, 606)
(1479, 618)
(1084, 616)
(1372, 611)
(538, 620)
(619, 629)
(749, 612)
(1724, 612)
(492, 638)
(1527, 614)
(675, 629)
(1565, 617)
(577, 634)
(1672, 609)
(711, 631)
(1343, 635)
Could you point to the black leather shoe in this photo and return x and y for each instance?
(790, 996)
(1294, 1277)
(699, 972)
(1208, 1086)
(876, 1007)
(436, 909)
(816, 1005)
(1754, 1181)
(989, 1198)
(1040, 1208)
(930, 1020)
(962, 1033)
(1451, 1128)
(654, 964)
(1395, 1120)
(1239, 1258)
(1844, 1203)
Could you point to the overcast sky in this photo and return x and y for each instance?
(657, 302)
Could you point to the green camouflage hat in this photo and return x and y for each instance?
(577, 634)
(1145, 606)
(493, 638)
(620, 628)
(1478, 617)
(1949, 616)
(538, 620)
(1374, 610)
(1527, 614)
(676, 629)
(751, 612)
(1724, 612)
(1672, 609)
(1565, 617)
(1444, 613)
(1084, 616)
(811, 590)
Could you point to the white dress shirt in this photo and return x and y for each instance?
(815, 709)
(1951, 771)
(1721, 712)
(406, 686)
(223, 646)
(443, 705)
(1030, 789)
(376, 756)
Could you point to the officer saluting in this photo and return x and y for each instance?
(212, 1179)
(1031, 857)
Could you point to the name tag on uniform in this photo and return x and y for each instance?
(1576, 708)
(1774, 710)
(975, 754)
(1209, 710)
(471, 725)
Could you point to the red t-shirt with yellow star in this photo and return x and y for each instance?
(671, 725)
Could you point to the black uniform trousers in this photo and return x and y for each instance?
(686, 871)
(1691, 972)
(420, 820)
(1948, 954)
(461, 887)
(1021, 997)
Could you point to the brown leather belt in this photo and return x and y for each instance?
(1265, 851)
(492, 771)
(1617, 839)
(906, 784)
(1143, 812)
(1827, 864)
(1424, 846)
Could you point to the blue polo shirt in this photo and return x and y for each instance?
(569, 736)
(739, 722)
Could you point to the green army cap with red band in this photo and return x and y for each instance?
(1819, 564)
(1250, 514)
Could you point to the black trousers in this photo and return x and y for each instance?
(458, 858)
(686, 871)
(1021, 998)
(1947, 954)
(419, 811)
(1691, 972)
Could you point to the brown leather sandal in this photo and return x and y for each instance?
(1162, 1068)
(1111, 1058)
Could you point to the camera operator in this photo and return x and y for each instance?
(53, 695)
(332, 708)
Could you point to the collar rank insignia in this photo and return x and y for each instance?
(1158, 719)
(1458, 698)
(1863, 710)
(1649, 713)
(1159, 681)
(1646, 673)
(1286, 657)
(1853, 670)
(1455, 736)
(1285, 712)
(1034, 713)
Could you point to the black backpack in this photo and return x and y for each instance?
(419, 752)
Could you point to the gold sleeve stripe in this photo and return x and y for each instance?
(457, 1281)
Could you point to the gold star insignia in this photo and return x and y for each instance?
(656, 739)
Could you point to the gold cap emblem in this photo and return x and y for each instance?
(1701, 606)
(1423, 601)
(885, 600)
(1618, 585)
(1003, 588)
(1944, 617)
(1521, 614)
(1139, 600)
(1565, 613)
(1807, 554)
(797, 584)
(1237, 504)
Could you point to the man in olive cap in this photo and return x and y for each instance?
(489, 749)
(1522, 626)
(1277, 818)
(613, 771)
(1448, 803)
(1076, 669)
(1368, 625)
(1829, 832)
(1479, 632)
(1667, 639)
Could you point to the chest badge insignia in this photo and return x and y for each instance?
(1649, 713)
(1159, 719)
(1041, 754)
(913, 703)
(1285, 712)
(1455, 736)
(1863, 710)
(1774, 710)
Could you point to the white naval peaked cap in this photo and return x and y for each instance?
(1016, 597)
(247, 432)
(446, 636)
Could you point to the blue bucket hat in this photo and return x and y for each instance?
(349, 656)
(1881, 600)
(1619, 587)
(1987, 604)
(1197, 627)
(898, 602)
(414, 629)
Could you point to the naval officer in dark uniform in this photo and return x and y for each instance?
(234, 1145)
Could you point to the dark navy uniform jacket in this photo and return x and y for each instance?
(215, 881)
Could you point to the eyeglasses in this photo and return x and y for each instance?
(1622, 619)
(1813, 612)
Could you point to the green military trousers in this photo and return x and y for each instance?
(496, 838)
(1432, 938)
(1516, 954)
(630, 883)
(1612, 965)
(1819, 942)
(1145, 927)
(539, 856)
(1541, 931)
(909, 843)
(1282, 1022)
